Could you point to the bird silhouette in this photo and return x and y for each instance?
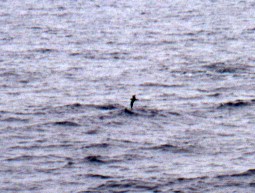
(132, 100)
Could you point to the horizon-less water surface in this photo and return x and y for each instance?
(69, 68)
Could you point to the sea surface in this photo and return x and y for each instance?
(68, 69)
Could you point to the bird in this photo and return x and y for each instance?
(132, 100)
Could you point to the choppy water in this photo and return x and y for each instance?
(67, 72)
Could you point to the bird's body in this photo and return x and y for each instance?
(132, 100)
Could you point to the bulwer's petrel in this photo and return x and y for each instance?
(132, 100)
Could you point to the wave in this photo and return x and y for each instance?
(226, 67)
(74, 105)
(248, 173)
(107, 107)
(153, 84)
(105, 111)
(148, 112)
(99, 159)
(113, 159)
(236, 103)
(98, 176)
(194, 184)
(127, 185)
(14, 119)
(92, 132)
(97, 145)
(66, 123)
(44, 50)
(95, 106)
(119, 110)
(94, 159)
(168, 147)
(21, 158)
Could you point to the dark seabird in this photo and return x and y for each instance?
(133, 99)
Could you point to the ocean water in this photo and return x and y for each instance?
(69, 68)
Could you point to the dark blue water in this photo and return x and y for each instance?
(69, 68)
